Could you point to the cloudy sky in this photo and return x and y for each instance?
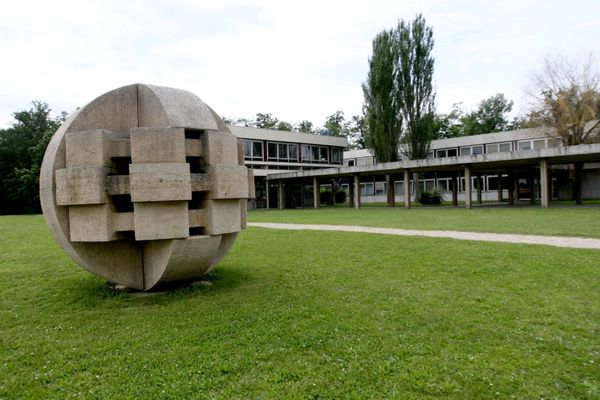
(297, 60)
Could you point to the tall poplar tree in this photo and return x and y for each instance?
(414, 85)
(382, 115)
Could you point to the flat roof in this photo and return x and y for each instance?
(244, 132)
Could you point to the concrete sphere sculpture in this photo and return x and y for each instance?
(145, 185)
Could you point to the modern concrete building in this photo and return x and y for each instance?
(269, 151)
(526, 164)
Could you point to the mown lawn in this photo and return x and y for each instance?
(571, 221)
(294, 314)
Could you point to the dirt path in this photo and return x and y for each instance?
(558, 241)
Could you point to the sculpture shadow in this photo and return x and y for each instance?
(94, 292)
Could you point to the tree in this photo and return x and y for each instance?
(266, 121)
(305, 126)
(566, 97)
(448, 125)
(490, 116)
(415, 93)
(284, 126)
(357, 131)
(22, 148)
(382, 116)
(336, 124)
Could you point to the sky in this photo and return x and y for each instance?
(296, 60)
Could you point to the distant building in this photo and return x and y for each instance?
(269, 151)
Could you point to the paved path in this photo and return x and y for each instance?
(558, 241)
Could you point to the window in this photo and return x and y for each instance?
(554, 142)
(399, 187)
(323, 154)
(471, 150)
(315, 154)
(477, 150)
(539, 144)
(285, 152)
(380, 188)
(367, 189)
(524, 145)
(465, 151)
(364, 161)
(335, 155)
(253, 150)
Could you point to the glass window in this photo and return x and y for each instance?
(306, 153)
(379, 188)
(504, 147)
(399, 187)
(525, 145)
(553, 142)
(315, 153)
(492, 148)
(335, 154)
(324, 154)
(272, 151)
(477, 150)
(247, 149)
(257, 149)
(539, 144)
(451, 152)
(441, 153)
(351, 163)
(293, 149)
(367, 189)
(443, 185)
(282, 151)
(465, 151)
(429, 185)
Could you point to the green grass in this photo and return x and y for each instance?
(294, 314)
(562, 221)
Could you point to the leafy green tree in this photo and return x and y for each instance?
(336, 124)
(415, 93)
(266, 121)
(490, 116)
(305, 126)
(22, 148)
(383, 119)
(448, 125)
(357, 131)
(284, 126)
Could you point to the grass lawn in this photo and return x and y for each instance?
(570, 221)
(294, 314)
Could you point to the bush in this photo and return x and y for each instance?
(434, 197)
(340, 197)
(326, 197)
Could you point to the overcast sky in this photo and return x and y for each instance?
(297, 60)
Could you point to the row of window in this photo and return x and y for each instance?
(288, 152)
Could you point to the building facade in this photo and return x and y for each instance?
(269, 151)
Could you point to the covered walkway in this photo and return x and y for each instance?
(535, 165)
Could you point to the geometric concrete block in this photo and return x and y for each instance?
(81, 185)
(222, 216)
(91, 223)
(220, 148)
(161, 220)
(90, 147)
(227, 182)
(158, 145)
(160, 182)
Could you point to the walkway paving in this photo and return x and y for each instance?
(558, 241)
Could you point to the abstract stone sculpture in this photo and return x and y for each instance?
(145, 185)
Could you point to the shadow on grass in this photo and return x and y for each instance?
(92, 292)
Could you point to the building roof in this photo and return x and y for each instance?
(287, 136)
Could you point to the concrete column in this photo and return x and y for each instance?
(479, 182)
(511, 188)
(500, 187)
(391, 190)
(281, 195)
(454, 188)
(544, 183)
(406, 188)
(357, 192)
(267, 194)
(350, 194)
(467, 187)
(316, 193)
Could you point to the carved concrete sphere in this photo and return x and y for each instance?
(145, 185)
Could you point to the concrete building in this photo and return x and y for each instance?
(269, 151)
(527, 165)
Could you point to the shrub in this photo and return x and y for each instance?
(434, 197)
(340, 197)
